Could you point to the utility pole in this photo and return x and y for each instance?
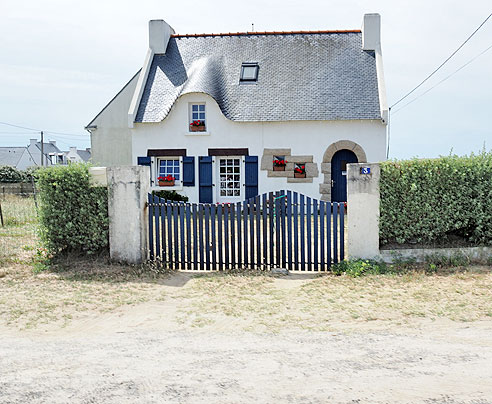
(42, 150)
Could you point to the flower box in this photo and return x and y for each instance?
(299, 175)
(300, 171)
(200, 128)
(278, 168)
(166, 183)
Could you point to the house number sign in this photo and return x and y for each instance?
(365, 170)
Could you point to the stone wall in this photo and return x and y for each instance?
(310, 166)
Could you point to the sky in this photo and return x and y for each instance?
(61, 61)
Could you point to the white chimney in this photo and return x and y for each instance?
(371, 32)
(159, 34)
(32, 142)
(73, 149)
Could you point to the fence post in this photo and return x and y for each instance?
(363, 210)
(128, 188)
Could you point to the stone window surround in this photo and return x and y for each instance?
(325, 186)
(267, 165)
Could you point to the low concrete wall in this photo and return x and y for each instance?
(363, 211)
(128, 188)
(16, 188)
(474, 254)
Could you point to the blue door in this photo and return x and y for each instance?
(339, 174)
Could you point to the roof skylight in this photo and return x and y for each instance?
(249, 72)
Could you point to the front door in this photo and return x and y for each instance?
(229, 179)
(339, 174)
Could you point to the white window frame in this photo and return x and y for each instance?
(157, 164)
(216, 179)
(190, 114)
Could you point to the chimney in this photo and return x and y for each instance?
(32, 142)
(371, 32)
(159, 34)
(73, 149)
(53, 142)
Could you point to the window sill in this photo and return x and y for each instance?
(178, 187)
(207, 133)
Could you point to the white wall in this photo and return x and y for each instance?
(303, 137)
(111, 141)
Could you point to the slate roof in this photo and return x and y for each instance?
(302, 76)
(48, 148)
(10, 156)
(84, 154)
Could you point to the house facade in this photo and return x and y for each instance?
(29, 156)
(224, 117)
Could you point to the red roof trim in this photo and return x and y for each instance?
(351, 31)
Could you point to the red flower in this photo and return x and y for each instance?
(168, 178)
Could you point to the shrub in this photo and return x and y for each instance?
(11, 174)
(170, 196)
(437, 201)
(73, 215)
(356, 268)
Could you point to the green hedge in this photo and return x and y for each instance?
(11, 174)
(437, 201)
(73, 216)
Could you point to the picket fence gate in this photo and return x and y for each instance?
(275, 230)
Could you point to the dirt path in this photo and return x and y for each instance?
(141, 354)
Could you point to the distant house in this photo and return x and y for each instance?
(24, 157)
(77, 156)
(230, 116)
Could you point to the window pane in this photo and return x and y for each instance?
(176, 163)
(194, 115)
(236, 162)
(194, 108)
(201, 107)
(202, 115)
(249, 72)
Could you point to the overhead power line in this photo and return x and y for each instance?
(443, 63)
(39, 130)
(443, 80)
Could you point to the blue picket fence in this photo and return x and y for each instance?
(274, 230)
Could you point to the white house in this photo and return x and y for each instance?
(29, 156)
(77, 156)
(215, 111)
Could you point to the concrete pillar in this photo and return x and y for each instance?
(128, 188)
(363, 211)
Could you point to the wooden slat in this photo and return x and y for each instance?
(289, 230)
(157, 227)
(195, 237)
(322, 235)
(239, 237)
(296, 231)
(207, 237)
(264, 244)
(302, 235)
(271, 229)
(219, 237)
(282, 228)
(201, 247)
(258, 232)
(176, 237)
(245, 238)
(251, 233)
(328, 233)
(335, 232)
(233, 236)
(214, 237)
(342, 231)
(151, 226)
(170, 235)
(164, 244)
(188, 236)
(277, 229)
(315, 232)
(227, 237)
(309, 243)
(182, 235)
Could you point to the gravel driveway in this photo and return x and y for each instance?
(130, 363)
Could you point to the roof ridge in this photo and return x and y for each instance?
(350, 31)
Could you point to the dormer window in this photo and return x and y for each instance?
(197, 118)
(249, 73)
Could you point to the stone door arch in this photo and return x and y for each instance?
(325, 186)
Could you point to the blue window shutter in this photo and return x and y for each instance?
(251, 176)
(143, 161)
(205, 179)
(188, 171)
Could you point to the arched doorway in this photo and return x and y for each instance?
(339, 174)
(344, 147)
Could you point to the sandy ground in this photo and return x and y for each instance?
(144, 354)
